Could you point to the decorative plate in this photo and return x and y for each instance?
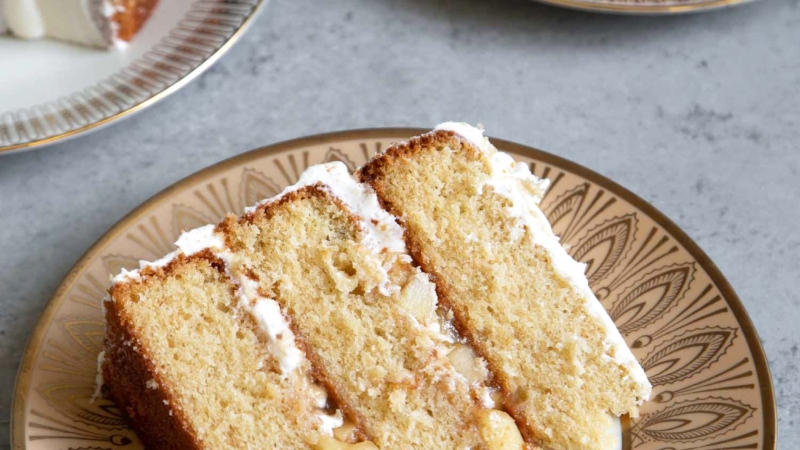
(645, 7)
(712, 386)
(95, 87)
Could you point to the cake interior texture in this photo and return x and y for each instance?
(365, 319)
(352, 307)
(190, 371)
(440, 313)
(559, 376)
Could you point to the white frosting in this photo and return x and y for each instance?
(98, 378)
(486, 398)
(84, 22)
(514, 181)
(472, 134)
(199, 239)
(268, 316)
(126, 275)
(330, 422)
(189, 243)
(282, 342)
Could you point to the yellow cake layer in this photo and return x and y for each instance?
(389, 374)
(255, 332)
(206, 361)
(546, 349)
(246, 322)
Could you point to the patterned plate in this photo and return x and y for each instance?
(645, 7)
(712, 387)
(96, 87)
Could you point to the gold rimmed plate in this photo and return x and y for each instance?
(645, 7)
(684, 322)
(51, 91)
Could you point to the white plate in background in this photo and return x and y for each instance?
(50, 91)
(645, 7)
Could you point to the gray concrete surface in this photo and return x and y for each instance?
(698, 114)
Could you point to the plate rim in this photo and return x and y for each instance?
(140, 106)
(644, 10)
(34, 342)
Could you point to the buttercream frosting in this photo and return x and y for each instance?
(98, 378)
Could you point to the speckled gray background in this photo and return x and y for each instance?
(700, 115)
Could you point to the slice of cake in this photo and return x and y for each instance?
(192, 371)
(302, 324)
(473, 223)
(94, 23)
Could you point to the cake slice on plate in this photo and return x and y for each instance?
(301, 324)
(192, 370)
(330, 317)
(472, 222)
(93, 23)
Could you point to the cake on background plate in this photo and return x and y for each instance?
(422, 307)
(93, 23)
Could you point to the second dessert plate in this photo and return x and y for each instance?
(50, 91)
(681, 318)
(646, 7)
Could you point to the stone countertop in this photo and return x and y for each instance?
(698, 114)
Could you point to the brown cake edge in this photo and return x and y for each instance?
(371, 173)
(131, 16)
(126, 371)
